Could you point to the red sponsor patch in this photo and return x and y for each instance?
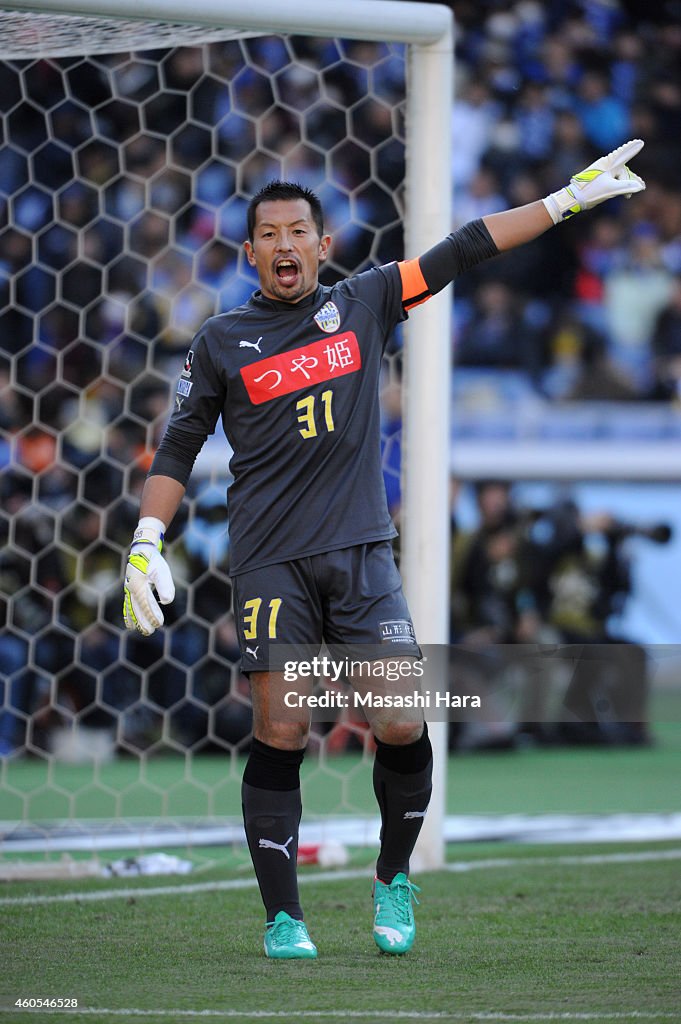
(302, 367)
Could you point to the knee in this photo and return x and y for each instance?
(275, 722)
(283, 735)
(398, 734)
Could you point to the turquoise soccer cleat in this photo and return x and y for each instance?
(394, 926)
(287, 939)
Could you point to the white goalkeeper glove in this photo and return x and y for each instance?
(604, 179)
(147, 568)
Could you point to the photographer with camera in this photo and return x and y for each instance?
(496, 618)
(582, 580)
(535, 596)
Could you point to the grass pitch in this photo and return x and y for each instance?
(513, 934)
(509, 934)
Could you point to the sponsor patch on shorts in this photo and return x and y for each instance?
(397, 631)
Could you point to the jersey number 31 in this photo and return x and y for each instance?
(305, 408)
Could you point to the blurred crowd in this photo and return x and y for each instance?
(124, 189)
(543, 89)
(124, 182)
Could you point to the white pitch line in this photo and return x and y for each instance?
(174, 890)
(633, 857)
(491, 1017)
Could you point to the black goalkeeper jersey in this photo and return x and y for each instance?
(297, 388)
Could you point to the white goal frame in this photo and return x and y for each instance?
(428, 30)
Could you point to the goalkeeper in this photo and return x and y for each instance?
(294, 374)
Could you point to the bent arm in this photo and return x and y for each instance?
(161, 498)
(515, 227)
(165, 486)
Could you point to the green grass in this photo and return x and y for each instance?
(541, 941)
(526, 939)
(530, 781)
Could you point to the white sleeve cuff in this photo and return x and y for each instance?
(553, 208)
(150, 530)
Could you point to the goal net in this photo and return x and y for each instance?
(131, 148)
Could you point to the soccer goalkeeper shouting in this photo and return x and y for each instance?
(294, 373)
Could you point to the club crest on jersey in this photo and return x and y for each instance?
(328, 318)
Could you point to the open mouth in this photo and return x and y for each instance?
(287, 272)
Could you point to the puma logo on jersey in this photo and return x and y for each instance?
(267, 844)
(253, 651)
(251, 344)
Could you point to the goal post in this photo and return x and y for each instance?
(426, 430)
(400, 21)
(427, 30)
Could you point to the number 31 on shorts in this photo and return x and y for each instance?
(250, 617)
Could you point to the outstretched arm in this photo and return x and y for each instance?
(515, 227)
(604, 179)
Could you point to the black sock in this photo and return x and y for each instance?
(271, 804)
(402, 784)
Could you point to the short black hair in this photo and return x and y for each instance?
(274, 190)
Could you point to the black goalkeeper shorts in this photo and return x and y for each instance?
(347, 598)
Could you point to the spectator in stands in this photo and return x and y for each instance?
(570, 146)
(535, 117)
(496, 335)
(604, 117)
(474, 116)
(583, 370)
(482, 197)
(635, 293)
(601, 253)
(666, 346)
